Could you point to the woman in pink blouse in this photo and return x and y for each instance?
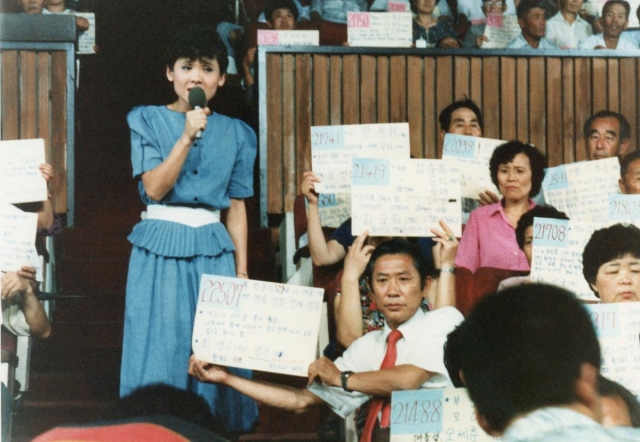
(489, 238)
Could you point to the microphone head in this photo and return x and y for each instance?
(197, 98)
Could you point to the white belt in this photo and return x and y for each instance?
(192, 217)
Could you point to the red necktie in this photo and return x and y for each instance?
(382, 404)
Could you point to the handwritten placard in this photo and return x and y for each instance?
(398, 6)
(87, 39)
(623, 207)
(20, 177)
(332, 148)
(380, 29)
(472, 155)
(500, 30)
(557, 253)
(434, 415)
(334, 208)
(257, 325)
(17, 237)
(618, 327)
(580, 189)
(288, 38)
(394, 197)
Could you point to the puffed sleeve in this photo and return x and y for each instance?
(145, 151)
(468, 255)
(241, 182)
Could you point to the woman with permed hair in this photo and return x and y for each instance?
(190, 163)
(489, 239)
(611, 263)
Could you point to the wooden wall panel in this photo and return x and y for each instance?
(10, 95)
(58, 134)
(275, 177)
(540, 100)
(28, 95)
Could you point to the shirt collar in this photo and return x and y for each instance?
(498, 209)
(407, 327)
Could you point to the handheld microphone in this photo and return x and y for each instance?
(197, 100)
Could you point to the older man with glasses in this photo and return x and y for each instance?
(475, 35)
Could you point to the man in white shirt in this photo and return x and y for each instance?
(532, 23)
(396, 274)
(530, 359)
(615, 18)
(566, 28)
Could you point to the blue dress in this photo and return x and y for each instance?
(169, 258)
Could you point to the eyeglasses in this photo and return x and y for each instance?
(498, 3)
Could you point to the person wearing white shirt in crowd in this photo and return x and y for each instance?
(473, 10)
(396, 274)
(615, 18)
(566, 28)
(533, 23)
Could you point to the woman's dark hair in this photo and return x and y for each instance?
(195, 42)
(398, 246)
(526, 220)
(606, 245)
(505, 153)
(274, 5)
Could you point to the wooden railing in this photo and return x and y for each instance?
(37, 96)
(543, 100)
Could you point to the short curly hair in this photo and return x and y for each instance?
(505, 153)
(606, 245)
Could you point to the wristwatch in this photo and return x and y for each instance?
(343, 377)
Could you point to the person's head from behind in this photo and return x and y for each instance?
(620, 408)
(494, 7)
(517, 170)
(526, 348)
(196, 57)
(462, 118)
(615, 17)
(611, 263)
(452, 358)
(281, 15)
(606, 135)
(396, 276)
(31, 6)
(630, 173)
(158, 399)
(524, 229)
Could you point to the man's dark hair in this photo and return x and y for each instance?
(525, 6)
(196, 42)
(626, 160)
(396, 246)
(452, 358)
(625, 127)
(274, 5)
(623, 3)
(612, 389)
(607, 244)
(156, 399)
(447, 112)
(526, 220)
(505, 153)
(523, 348)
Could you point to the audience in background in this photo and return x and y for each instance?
(566, 28)
(615, 18)
(532, 21)
(611, 263)
(517, 169)
(524, 237)
(630, 173)
(606, 135)
(475, 34)
(335, 11)
(428, 30)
